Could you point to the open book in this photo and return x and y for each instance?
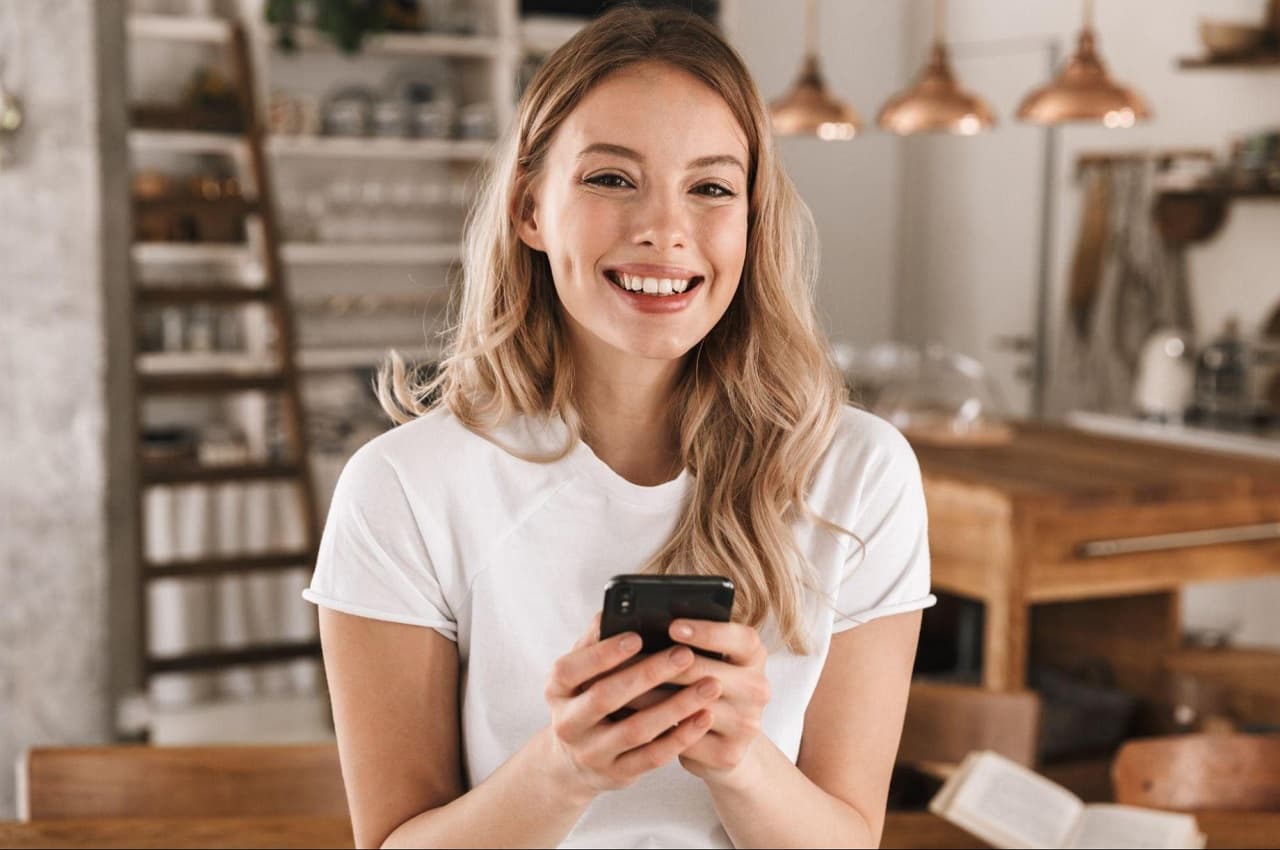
(1007, 805)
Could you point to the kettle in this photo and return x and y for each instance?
(1164, 387)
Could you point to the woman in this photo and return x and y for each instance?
(636, 383)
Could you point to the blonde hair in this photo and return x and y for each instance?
(759, 397)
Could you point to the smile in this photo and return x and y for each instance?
(652, 287)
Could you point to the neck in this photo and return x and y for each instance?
(628, 419)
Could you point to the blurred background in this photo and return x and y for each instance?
(216, 217)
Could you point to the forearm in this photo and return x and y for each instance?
(771, 803)
(521, 804)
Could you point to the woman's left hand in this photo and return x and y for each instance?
(736, 713)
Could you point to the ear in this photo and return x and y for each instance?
(526, 222)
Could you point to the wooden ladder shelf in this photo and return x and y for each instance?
(280, 378)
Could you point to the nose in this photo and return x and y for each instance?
(661, 221)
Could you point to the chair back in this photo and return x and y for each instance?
(944, 722)
(1190, 772)
(213, 781)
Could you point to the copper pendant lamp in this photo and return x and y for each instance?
(936, 102)
(1083, 91)
(808, 109)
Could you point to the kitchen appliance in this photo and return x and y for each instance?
(1164, 387)
(1222, 387)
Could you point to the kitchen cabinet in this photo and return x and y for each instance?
(1079, 545)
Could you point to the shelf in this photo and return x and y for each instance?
(1224, 192)
(166, 363)
(190, 252)
(195, 28)
(210, 383)
(406, 44)
(220, 658)
(194, 473)
(186, 141)
(160, 295)
(247, 563)
(339, 359)
(1258, 62)
(338, 147)
(194, 206)
(362, 253)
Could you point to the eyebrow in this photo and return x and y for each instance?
(700, 162)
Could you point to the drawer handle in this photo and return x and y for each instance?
(1179, 540)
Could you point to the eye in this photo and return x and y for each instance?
(599, 179)
(721, 192)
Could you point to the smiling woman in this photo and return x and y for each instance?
(636, 382)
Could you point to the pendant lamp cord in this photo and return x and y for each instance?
(811, 27)
(939, 21)
(1088, 14)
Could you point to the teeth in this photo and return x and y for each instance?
(652, 285)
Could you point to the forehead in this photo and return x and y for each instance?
(657, 110)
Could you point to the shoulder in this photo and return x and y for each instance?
(868, 460)
(406, 451)
(864, 444)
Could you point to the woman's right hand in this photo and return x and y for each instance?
(602, 755)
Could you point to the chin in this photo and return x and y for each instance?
(657, 349)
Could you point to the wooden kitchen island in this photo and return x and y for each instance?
(1078, 545)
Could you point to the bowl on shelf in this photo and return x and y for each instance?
(1231, 39)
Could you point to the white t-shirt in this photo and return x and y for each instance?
(435, 526)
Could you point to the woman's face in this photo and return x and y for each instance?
(645, 186)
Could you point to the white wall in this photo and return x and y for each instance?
(852, 186)
(1238, 273)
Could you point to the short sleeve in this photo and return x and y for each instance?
(889, 573)
(373, 560)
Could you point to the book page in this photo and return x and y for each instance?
(1026, 809)
(1103, 826)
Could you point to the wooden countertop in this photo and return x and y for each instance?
(902, 829)
(1056, 464)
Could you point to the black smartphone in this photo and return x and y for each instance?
(648, 603)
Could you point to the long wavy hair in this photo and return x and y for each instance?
(759, 397)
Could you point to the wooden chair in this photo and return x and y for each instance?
(944, 722)
(145, 781)
(1190, 772)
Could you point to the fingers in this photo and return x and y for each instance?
(644, 726)
(664, 741)
(738, 643)
(616, 690)
(579, 665)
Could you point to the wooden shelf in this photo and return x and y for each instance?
(1257, 62)
(218, 659)
(194, 473)
(163, 295)
(363, 253)
(1225, 192)
(407, 44)
(338, 147)
(207, 383)
(195, 206)
(249, 563)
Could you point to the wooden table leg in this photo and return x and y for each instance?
(1005, 639)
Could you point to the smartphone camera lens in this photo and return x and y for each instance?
(624, 600)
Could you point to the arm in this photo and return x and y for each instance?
(395, 707)
(835, 795)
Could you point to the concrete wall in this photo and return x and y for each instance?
(1235, 274)
(65, 437)
(853, 186)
